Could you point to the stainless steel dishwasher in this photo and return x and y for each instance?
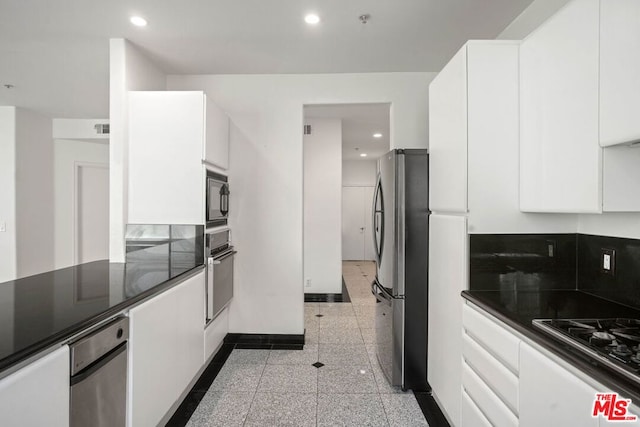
(99, 377)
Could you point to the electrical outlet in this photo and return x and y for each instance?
(3, 227)
(608, 261)
(307, 283)
(551, 248)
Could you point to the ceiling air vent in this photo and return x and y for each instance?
(307, 129)
(102, 129)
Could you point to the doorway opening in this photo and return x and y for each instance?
(341, 146)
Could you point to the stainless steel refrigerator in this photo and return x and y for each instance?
(400, 238)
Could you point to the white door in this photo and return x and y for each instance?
(92, 212)
(357, 243)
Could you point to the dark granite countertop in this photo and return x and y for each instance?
(39, 311)
(518, 308)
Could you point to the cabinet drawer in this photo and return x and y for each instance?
(492, 336)
(486, 400)
(495, 375)
(471, 415)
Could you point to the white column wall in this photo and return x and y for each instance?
(8, 193)
(266, 174)
(323, 206)
(34, 193)
(129, 70)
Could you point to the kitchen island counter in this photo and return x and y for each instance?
(41, 311)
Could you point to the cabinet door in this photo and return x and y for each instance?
(560, 157)
(550, 395)
(38, 394)
(166, 136)
(493, 137)
(448, 137)
(216, 136)
(619, 71)
(448, 265)
(166, 349)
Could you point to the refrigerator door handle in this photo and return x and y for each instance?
(378, 214)
(380, 293)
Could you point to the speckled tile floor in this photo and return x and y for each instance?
(281, 387)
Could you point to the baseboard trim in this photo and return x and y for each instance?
(432, 412)
(343, 297)
(259, 341)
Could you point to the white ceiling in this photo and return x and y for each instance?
(359, 123)
(56, 53)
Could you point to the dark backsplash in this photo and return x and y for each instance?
(521, 262)
(624, 285)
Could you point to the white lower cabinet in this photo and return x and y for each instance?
(215, 332)
(447, 278)
(166, 350)
(507, 381)
(490, 369)
(38, 394)
(471, 414)
(551, 395)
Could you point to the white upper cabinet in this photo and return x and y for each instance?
(170, 134)
(560, 157)
(216, 148)
(448, 137)
(619, 71)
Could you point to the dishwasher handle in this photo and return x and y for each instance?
(92, 369)
(96, 344)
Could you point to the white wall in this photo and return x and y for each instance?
(7, 193)
(359, 173)
(34, 193)
(79, 129)
(531, 18)
(129, 70)
(611, 224)
(66, 154)
(323, 206)
(265, 173)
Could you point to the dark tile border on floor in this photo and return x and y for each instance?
(431, 410)
(343, 297)
(188, 406)
(262, 340)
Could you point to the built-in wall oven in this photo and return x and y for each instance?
(217, 209)
(220, 256)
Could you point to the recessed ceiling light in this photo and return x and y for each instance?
(138, 21)
(377, 135)
(363, 154)
(312, 19)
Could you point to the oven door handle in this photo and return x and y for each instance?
(218, 259)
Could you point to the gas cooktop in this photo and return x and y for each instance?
(614, 343)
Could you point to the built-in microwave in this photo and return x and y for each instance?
(217, 209)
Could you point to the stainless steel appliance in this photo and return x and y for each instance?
(613, 343)
(400, 237)
(99, 377)
(220, 255)
(217, 209)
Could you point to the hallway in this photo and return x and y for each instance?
(334, 381)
